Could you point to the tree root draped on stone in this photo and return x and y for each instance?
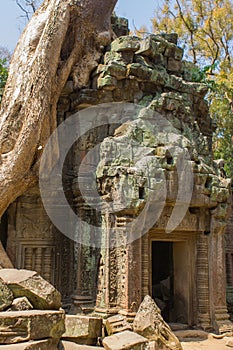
(62, 39)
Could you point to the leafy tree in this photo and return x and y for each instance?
(3, 72)
(4, 66)
(205, 29)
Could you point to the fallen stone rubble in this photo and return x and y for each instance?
(31, 318)
(23, 326)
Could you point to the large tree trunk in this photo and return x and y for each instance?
(62, 38)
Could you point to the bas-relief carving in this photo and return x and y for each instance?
(34, 244)
(203, 294)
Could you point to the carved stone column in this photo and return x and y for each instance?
(83, 298)
(203, 301)
(145, 265)
(229, 275)
(221, 316)
(218, 272)
(86, 260)
(132, 293)
(106, 300)
(119, 287)
(86, 250)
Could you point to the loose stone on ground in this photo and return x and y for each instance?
(125, 341)
(150, 324)
(6, 296)
(40, 293)
(82, 329)
(30, 325)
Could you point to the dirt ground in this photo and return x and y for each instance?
(208, 344)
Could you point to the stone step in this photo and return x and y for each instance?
(116, 324)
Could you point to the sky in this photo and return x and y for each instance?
(137, 11)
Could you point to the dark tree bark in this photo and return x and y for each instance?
(63, 38)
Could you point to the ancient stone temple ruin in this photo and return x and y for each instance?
(182, 268)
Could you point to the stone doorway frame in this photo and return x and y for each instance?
(189, 239)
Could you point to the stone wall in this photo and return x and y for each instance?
(150, 73)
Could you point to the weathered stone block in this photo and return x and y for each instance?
(67, 345)
(117, 70)
(174, 51)
(149, 88)
(114, 69)
(85, 98)
(82, 329)
(159, 76)
(125, 57)
(158, 60)
(46, 344)
(139, 71)
(150, 324)
(30, 284)
(6, 296)
(174, 65)
(30, 325)
(125, 341)
(107, 82)
(161, 43)
(170, 37)
(126, 43)
(189, 69)
(130, 89)
(21, 304)
(148, 47)
(153, 346)
(112, 56)
(120, 25)
(116, 324)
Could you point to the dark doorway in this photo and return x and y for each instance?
(163, 277)
(3, 229)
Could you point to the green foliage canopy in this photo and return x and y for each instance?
(3, 72)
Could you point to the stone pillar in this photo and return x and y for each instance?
(119, 287)
(86, 248)
(83, 298)
(145, 266)
(229, 275)
(106, 300)
(221, 317)
(86, 260)
(203, 301)
(132, 294)
(229, 268)
(218, 273)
